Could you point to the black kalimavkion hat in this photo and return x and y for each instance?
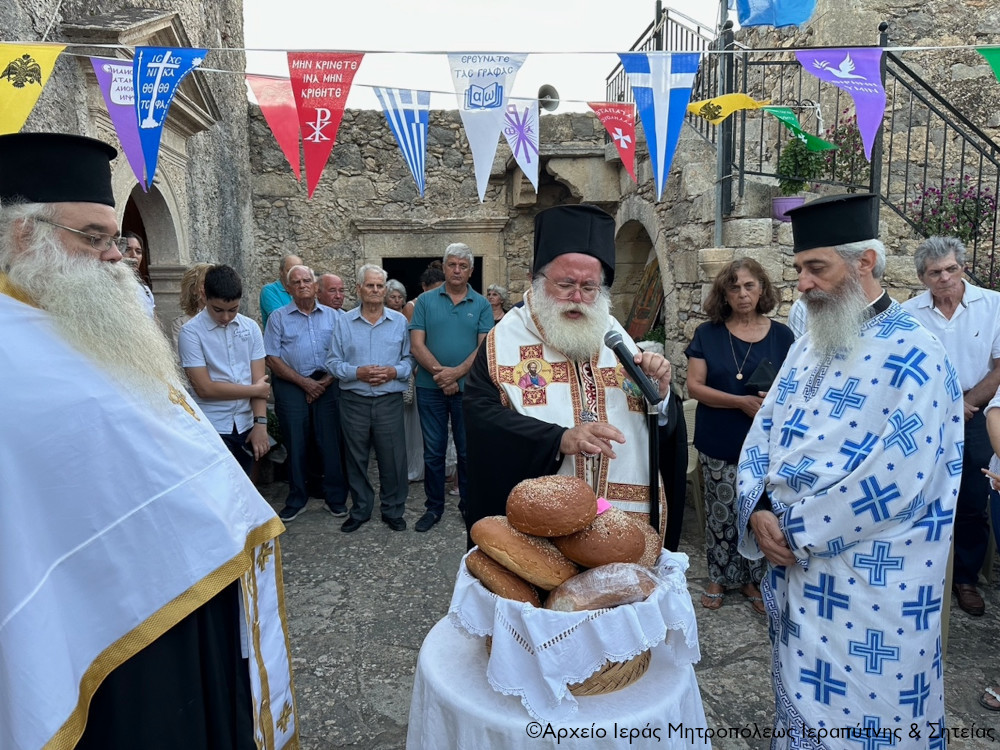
(834, 220)
(578, 228)
(55, 168)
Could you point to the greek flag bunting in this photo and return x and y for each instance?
(407, 111)
(661, 85)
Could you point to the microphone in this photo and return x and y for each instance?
(613, 340)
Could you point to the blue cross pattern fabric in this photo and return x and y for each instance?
(407, 113)
(861, 459)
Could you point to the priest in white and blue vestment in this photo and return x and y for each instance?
(848, 481)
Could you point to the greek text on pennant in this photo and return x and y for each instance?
(521, 132)
(24, 71)
(718, 109)
(321, 82)
(858, 71)
(115, 79)
(483, 83)
(407, 113)
(618, 119)
(277, 104)
(661, 84)
(156, 74)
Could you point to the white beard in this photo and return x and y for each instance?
(579, 339)
(96, 308)
(834, 318)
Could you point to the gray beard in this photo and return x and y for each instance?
(578, 339)
(96, 308)
(834, 318)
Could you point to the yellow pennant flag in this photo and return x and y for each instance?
(718, 109)
(24, 71)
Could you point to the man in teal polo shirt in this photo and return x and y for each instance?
(448, 324)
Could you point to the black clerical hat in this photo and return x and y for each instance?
(579, 228)
(834, 220)
(55, 168)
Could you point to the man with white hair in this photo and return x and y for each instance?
(330, 291)
(277, 293)
(847, 483)
(138, 556)
(546, 396)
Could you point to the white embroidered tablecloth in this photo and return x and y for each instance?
(537, 652)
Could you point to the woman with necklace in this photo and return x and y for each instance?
(723, 355)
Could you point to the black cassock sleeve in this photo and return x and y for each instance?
(502, 446)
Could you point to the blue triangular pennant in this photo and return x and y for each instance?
(406, 111)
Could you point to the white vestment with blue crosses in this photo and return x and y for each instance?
(861, 458)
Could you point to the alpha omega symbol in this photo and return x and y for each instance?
(322, 120)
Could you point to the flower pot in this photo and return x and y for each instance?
(782, 203)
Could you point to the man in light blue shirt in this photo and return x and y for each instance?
(370, 356)
(296, 342)
(222, 353)
(276, 294)
(448, 325)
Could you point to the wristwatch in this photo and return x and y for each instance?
(260, 420)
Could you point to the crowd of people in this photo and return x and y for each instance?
(837, 456)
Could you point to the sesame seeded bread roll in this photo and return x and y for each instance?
(551, 506)
(605, 586)
(532, 558)
(496, 578)
(612, 537)
(654, 544)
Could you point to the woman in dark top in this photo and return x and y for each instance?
(725, 352)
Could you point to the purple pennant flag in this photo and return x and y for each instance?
(115, 79)
(856, 70)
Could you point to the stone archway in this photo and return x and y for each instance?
(633, 249)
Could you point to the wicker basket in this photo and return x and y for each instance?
(612, 676)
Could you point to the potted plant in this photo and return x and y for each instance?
(848, 165)
(796, 166)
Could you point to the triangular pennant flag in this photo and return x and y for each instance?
(661, 84)
(618, 119)
(788, 118)
(992, 56)
(407, 113)
(26, 69)
(156, 74)
(483, 83)
(718, 109)
(856, 70)
(277, 104)
(321, 82)
(774, 12)
(115, 79)
(521, 131)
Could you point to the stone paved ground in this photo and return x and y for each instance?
(360, 605)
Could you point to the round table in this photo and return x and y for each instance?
(454, 707)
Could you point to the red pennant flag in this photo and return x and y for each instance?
(321, 82)
(619, 120)
(277, 104)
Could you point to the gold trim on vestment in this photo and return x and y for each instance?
(152, 628)
(13, 290)
(279, 578)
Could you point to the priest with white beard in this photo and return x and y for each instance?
(847, 482)
(141, 599)
(588, 419)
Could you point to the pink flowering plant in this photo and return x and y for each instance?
(959, 208)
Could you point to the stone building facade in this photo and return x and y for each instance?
(198, 208)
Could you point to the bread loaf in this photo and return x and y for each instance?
(604, 586)
(611, 537)
(551, 506)
(654, 544)
(502, 582)
(532, 558)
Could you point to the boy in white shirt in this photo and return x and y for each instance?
(222, 353)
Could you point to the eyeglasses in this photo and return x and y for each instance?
(588, 292)
(100, 242)
(939, 272)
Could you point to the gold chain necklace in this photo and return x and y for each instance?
(739, 365)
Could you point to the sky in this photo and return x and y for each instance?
(581, 37)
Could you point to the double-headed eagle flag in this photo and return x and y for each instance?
(718, 109)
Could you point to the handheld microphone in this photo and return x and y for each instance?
(613, 340)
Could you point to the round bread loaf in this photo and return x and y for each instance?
(654, 544)
(612, 537)
(496, 578)
(532, 558)
(551, 506)
(604, 586)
